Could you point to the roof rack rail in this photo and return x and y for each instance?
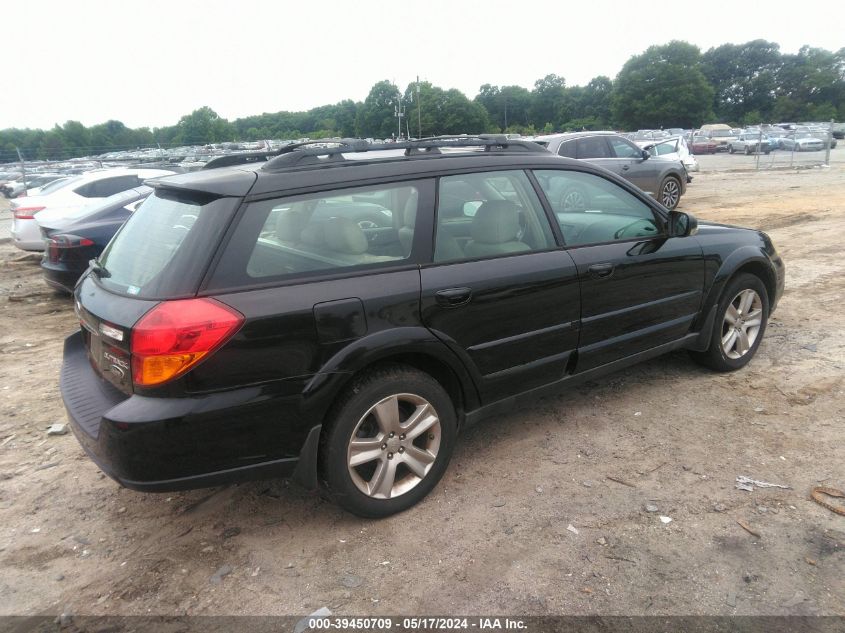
(299, 154)
(228, 160)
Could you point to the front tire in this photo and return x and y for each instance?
(741, 319)
(388, 441)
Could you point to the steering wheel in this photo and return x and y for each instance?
(644, 224)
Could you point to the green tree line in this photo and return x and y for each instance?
(670, 85)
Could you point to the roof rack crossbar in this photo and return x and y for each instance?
(300, 154)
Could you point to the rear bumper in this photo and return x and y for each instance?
(59, 276)
(26, 235)
(162, 444)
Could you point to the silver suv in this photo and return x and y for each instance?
(662, 178)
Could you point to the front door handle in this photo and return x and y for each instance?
(602, 271)
(453, 297)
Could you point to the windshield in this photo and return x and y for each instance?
(164, 247)
(112, 202)
(720, 133)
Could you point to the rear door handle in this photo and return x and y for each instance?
(453, 297)
(626, 167)
(601, 270)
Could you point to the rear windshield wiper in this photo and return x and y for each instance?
(99, 269)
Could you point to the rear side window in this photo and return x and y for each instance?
(567, 149)
(288, 237)
(592, 147)
(108, 186)
(164, 248)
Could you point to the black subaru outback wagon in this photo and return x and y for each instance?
(338, 313)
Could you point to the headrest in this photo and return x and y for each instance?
(409, 213)
(344, 236)
(496, 222)
(314, 234)
(289, 225)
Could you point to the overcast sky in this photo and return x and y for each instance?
(148, 63)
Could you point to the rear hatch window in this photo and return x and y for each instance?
(164, 248)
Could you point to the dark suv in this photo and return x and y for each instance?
(339, 313)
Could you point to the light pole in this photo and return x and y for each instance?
(419, 111)
(399, 112)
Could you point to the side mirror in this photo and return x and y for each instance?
(682, 224)
(645, 153)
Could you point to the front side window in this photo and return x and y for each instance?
(624, 149)
(499, 214)
(592, 210)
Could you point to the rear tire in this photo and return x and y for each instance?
(741, 319)
(730, 149)
(670, 192)
(388, 441)
(573, 200)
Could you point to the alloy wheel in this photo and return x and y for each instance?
(741, 326)
(394, 446)
(574, 200)
(671, 193)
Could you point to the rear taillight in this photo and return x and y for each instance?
(70, 241)
(176, 335)
(59, 243)
(26, 213)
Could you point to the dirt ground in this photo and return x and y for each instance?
(494, 536)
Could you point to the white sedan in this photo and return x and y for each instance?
(675, 148)
(69, 196)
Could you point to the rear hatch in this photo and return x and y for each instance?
(160, 254)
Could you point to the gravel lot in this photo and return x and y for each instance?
(494, 537)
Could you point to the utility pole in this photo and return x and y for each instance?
(399, 112)
(827, 144)
(23, 168)
(419, 111)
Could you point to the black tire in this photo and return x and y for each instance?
(730, 149)
(350, 412)
(747, 150)
(715, 357)
(573, 200)
(666, 199)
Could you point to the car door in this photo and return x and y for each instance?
(643, 172)
(639, 287)
(499, 291)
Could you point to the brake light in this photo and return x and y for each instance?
(70, 241)
(26, 213)
(176, 335)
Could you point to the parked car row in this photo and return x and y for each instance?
(64, 198)
(764, 139)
